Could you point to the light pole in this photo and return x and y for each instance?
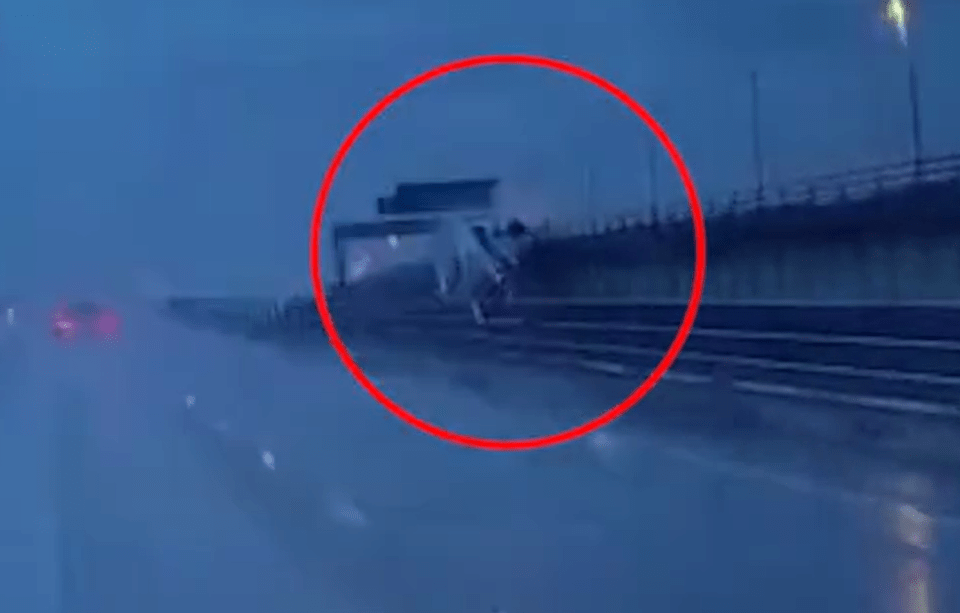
(897, 15)
(654, 190)
(653, 151)
(587, 188)
(915, 116)
(755, 126)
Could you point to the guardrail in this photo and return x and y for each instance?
(902, 358)
(824, 190)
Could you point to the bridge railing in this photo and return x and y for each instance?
(827, 189)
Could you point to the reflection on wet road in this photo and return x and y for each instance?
(185, 471)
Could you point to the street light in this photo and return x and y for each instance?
(897, 15)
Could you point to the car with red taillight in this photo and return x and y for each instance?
(85, 320)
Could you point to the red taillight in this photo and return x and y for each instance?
(64, 327)
(107, 324)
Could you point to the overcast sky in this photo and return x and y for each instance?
(188, 138)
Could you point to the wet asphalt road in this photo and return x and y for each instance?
(278, 485)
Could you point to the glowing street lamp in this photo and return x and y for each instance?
(897, 15)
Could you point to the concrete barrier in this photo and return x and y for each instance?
(882, 234)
